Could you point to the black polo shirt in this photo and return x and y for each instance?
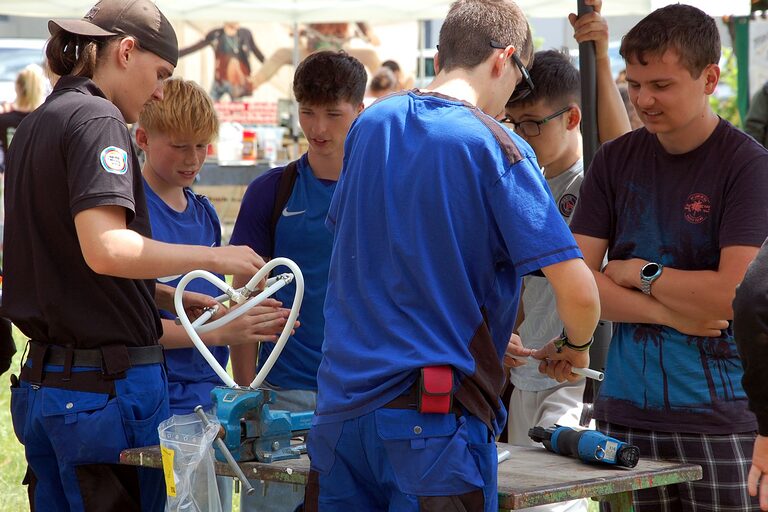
(8, 123)
(71, 154)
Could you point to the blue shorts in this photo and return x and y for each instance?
(69, 435)
(400, 459)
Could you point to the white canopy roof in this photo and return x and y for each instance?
(340, 10)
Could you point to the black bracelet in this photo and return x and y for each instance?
(563, 341)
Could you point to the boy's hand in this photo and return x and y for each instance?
(757, 481)
(591, 27)
(696, 327)
(260, 323)
(625, 273)
(195, 303)
(516, 354)
(236, 259)
(557, 365)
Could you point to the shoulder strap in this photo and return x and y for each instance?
(284, 190)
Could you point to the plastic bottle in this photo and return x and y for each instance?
(230, 146)
(249, 146)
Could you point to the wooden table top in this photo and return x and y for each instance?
(531, 476)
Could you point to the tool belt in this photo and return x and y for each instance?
(106, 364)
(431, 393)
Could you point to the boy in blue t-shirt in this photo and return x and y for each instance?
(439, 213)
(175, 133)
(329, 87)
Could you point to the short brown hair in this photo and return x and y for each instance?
(471, 25)
(185, 110)
(557, 81)
(327, 77)
(689, 32)
(383, 81)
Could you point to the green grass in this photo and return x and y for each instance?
(12, 464)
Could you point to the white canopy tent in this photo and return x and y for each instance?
(377, 11)
(303, 11)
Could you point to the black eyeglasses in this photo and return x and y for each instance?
(525, 87)
(532, 128)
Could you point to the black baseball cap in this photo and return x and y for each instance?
(138, 18)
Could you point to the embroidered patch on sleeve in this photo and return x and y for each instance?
(114, 160)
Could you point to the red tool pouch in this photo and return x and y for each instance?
(436, 389)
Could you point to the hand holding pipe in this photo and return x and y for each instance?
(273, 285)
(584, 372)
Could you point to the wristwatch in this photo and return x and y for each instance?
(648, 274)
(563, 341)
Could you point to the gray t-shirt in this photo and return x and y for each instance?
(541, 322)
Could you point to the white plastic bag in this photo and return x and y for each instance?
(190, 478)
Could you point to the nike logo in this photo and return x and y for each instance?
(286, 213)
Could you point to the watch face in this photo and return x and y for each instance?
(650, 270)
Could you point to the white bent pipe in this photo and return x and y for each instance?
(200, 326)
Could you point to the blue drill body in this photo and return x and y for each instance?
(590, 446)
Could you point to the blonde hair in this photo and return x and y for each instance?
(30, 88)
(186, 109)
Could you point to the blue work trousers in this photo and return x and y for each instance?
(70, 436)
(400, 460)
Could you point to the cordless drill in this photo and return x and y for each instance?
(587, 445)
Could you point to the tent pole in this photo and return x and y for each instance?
(741, 49)
(587, 68)
(588, 93)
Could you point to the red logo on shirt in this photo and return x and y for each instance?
(566, 204)
(697, 208)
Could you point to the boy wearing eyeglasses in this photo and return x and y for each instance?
(548, 119)
(433, 229)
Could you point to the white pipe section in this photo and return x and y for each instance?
(292, 316)
(584, 372)
(187, 325)
(243, 308)
(274, 284)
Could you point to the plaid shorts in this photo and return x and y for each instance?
(724, 458)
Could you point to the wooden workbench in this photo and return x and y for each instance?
(532, 476)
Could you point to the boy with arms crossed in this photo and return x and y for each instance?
(679, 206)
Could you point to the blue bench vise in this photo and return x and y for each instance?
(252, 430)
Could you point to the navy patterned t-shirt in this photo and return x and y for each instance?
(678, 210)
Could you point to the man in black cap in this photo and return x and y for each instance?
(79, 265)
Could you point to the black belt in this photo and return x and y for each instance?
(94, 357)
(112, 361)
(410, 400)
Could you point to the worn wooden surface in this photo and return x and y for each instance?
(289, 471)
(532, 476)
